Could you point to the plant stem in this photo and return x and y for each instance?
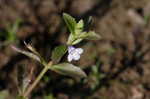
(30, 88)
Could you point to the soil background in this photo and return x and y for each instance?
(122, 55)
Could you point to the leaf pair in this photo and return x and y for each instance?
(29, 54)
(77, 34)
(62, 68)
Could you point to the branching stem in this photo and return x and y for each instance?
(33, 85)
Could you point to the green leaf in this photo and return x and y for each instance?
(68, 70)
(88, 22)
(91, 35)
(58, 53)
(15, 26)
(29, 54)
(80, 25)
(76, 41)
(72, 40)
(11, 36)
(70, 22)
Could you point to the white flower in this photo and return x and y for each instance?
(74, 53)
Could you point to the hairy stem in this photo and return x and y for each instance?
(33, 85)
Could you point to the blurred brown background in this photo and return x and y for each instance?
(122, 56)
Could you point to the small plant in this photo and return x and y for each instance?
(96, 76)
(10, 34)
(146, 19)
(76, 36)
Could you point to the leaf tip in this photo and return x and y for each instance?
(15, 48)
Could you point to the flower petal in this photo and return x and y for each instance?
(70, 49)
(79, 50)
(70, 57)
(76, 57)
